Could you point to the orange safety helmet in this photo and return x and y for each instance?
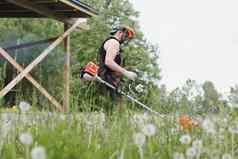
(130, 31)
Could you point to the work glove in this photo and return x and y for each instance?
(131, 75)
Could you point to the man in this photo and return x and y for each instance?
(109, 59)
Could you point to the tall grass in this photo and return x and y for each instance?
(128, 135)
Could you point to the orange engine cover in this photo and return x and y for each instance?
(91, 68)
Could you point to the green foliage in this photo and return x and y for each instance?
(233, 97)
(2, 77)
(210, 93)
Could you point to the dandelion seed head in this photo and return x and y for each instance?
(185, 139)
(5, 128)
(197, 143)
(38, 153)
(178, 155)
(62, 117)
(191, 152)
(24, 106)
(209, 126)
(149, 129)
(139, 139)
(233, 130)
(213, 154)
(26, 138)
(139, 119)
(226, 156)
(225, 120)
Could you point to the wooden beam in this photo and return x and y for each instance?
(22, 10)
(37, 8)
(38, 1)
(78, 7)
(29, 4)
(19, 77)
(16, 14)
(22, 15)
(35, 15)
(54, 7)
(66, 71)
(31, 79)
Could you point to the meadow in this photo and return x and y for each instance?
(27, 134)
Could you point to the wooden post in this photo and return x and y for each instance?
(19, 77)
(66, 71)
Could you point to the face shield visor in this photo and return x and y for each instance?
(127, 35)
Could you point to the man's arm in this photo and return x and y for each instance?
(112, 47)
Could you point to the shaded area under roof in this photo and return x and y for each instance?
(57, 8)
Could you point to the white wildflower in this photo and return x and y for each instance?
(5, 117)
(139, 139)
(101, 119)
(213, 153)
(226, 156)
(178, 155)
(89, 125)
(62, 117)
(50, 114)
(233, 130)
(191, 152)
(185, 139)
(26, 138)
(138, 119)
(149, 129)
(140, 88)
(38, 153)
(225, 120)
(5, 128)
(197, 144)
(24, 106)
(173, 131)
(208, 126)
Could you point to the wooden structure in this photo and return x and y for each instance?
(72, 13)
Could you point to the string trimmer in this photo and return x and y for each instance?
(89, 72)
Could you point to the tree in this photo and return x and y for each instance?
(211, 96)
(233, 97)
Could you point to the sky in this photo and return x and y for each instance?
(198, 39)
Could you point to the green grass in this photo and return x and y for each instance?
(95, 135)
